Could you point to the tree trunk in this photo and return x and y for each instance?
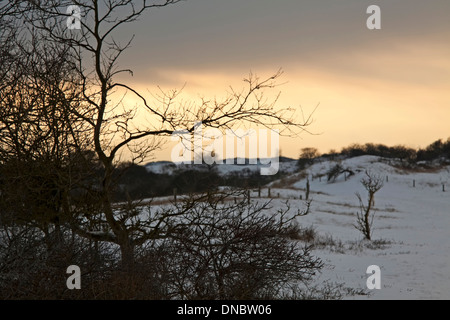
(127, 255)
(366, 216)
(307, 189)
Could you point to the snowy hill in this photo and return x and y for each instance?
(161, 167)
(411, 228)
(166, 167)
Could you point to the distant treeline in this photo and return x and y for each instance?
(438, 150)
(136, 182)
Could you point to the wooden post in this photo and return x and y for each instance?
(268, 192)
(235, 201)
(414, 183)
(307, 190)
(387, 178)
(175, 194)
(443, 187)
(259, 192)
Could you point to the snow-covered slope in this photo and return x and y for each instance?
(166, 167)
(411, 228)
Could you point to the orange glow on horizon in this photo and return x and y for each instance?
(393, 97)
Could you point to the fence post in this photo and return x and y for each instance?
(175, 194)
(307, 189)
(414, 183)
(268, 193)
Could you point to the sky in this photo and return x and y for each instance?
(388, 86)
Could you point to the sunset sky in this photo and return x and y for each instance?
(387, 86)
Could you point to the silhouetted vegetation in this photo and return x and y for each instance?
(436, 151)
(307, 157)
(398, 152)
(67, 197)
(136, 182)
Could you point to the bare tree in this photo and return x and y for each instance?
(307, 157)
(43, 138)
(372, 184)
(63, 129)
(63, 132)
(110, 122)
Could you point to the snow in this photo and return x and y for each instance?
(161, 167)
(412, 222)
(411, 228)
(224, 168)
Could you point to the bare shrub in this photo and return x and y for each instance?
(30, 269)
(372, 184)
(328, 242)
(305, 234)
(328, 290)
(234, 251)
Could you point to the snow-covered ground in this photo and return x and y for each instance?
(411, 228)
(167, 167)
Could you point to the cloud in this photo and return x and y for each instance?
(242, 35)
(388, 86)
